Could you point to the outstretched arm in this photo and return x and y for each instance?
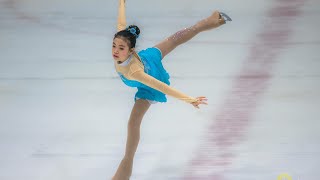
(160, 86)
(122, 16)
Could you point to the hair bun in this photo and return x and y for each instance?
(133, 29)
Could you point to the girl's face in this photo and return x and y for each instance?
(120, 50)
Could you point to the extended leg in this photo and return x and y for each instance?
(182, 36)
(138, 111)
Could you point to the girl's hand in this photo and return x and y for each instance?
(200, 100)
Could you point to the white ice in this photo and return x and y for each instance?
(64, 110)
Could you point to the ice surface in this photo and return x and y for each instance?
(64, 111)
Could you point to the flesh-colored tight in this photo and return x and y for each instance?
(138, 111)
(184, 35)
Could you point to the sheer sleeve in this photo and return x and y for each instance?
(150, 81)
(122, 16)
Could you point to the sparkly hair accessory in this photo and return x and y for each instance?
(133, 31)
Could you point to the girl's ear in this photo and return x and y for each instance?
(132, 50)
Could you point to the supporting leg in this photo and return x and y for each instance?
(138, 111)
(182, 36)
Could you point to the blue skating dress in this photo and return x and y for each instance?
(151, 60)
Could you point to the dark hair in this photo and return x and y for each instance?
(130, 34)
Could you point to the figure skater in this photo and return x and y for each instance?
(145, 71)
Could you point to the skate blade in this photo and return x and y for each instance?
(225, 16)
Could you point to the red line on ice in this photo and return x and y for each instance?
(232, 121)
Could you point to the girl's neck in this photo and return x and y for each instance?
(125, 62)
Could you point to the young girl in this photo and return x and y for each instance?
(144, 70)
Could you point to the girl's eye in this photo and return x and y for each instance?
(121, 48)
(113, 46)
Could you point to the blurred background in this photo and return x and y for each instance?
(64, 110)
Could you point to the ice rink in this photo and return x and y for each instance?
(64, 110)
